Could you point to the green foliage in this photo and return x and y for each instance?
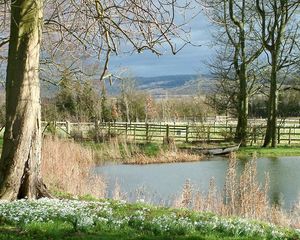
(136, 106)
(288, 105)
(87, 102)
(74, 101)
(66, 99)
(150, 149)
(105, 109)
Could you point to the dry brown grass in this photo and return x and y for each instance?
(120, 151)
(164, 157)
(67, 166)
(242, 196)
(115, 150)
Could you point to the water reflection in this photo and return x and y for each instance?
(163, 181)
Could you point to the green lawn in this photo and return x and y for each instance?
(283, 150)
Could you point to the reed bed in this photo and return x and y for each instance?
(120, 151)
(164, 157)
(67, 166)
(115, 150)
(241, 196)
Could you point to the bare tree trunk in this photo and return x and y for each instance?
(21, 154)
(241, 129)
(272, 108)
(126, 108)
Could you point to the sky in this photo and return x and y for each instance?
(190, 60)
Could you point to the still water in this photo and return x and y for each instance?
(161, 182)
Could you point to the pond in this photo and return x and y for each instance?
(161, 182)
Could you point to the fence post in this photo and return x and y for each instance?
(254, 134)
(126, 131)
(55, 126)
(147, 132)
(109, 130)
(68, 126)
(208, 133)
(167, 132)
(187, 133)
(290, 131)
(278, 135)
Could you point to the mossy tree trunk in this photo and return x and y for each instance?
(21, 154)
(243, 102)
(278, 41)
(271, 133)
(241, 62)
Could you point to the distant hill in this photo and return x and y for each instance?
(171, 81)
(172, 85)
(158, 86)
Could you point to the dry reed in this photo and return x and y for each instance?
(115, 150)
(67, 166)
(169, 156)
(117, 192)
(242, 196)
(119, 150)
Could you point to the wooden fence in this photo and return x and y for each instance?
(287, 133)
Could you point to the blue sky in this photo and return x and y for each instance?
(190, 60)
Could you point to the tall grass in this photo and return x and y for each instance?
(121, 151)
(67, 166)
(164, 157)
(115, 150)
(241, 196)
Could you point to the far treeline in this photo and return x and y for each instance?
(83, 102)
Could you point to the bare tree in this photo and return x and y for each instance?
(278, 33)
(102, 27)
(237, 38)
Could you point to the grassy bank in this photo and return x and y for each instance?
(280, 151)
(74, 219)
(147, 153)
(120, 151)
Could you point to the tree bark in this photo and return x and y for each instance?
(21, 154)
(240, 63)
(241, 129)
(271, 132)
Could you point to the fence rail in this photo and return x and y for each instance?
(288, 132)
